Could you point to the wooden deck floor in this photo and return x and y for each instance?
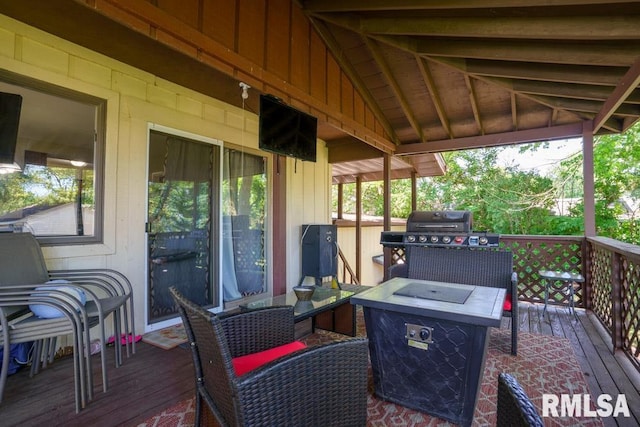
(155, 379)
(606, 373)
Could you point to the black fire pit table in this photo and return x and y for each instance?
(428, 342)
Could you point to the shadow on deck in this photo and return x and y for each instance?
(154, 379)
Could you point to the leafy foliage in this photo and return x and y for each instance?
(179, 206)
(14, 194)
(502, 200)
(44, 186)
(507, 200)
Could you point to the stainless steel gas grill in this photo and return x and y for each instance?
(439, 228)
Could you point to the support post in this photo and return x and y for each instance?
(386, 197)
(414, 191)
(359, 227)
(279, 241)
(587, 170)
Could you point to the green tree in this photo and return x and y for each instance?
(502, 199)
(13, 193)
(44, 186)
(507, 200)
(616, 187)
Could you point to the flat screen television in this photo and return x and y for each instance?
(285, 130)
(10, 105)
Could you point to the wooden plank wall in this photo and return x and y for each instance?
(269, 44)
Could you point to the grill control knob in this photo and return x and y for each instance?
(484, 240)
(434, 239)
(411, 238)
(422, 239)
(446, 239)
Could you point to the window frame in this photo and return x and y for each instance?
(99, 152)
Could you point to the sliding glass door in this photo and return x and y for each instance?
(183, 222)
(244, 201)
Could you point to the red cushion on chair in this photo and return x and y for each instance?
(244, 364)
(507, 303)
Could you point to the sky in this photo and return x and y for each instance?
(542, 160)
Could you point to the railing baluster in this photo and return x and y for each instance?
(616, 300)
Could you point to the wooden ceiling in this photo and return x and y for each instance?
(458, 74)
(428, 75)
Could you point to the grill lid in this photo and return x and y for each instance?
(440, 221)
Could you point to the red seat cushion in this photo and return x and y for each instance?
(246, 363)
(507, 303)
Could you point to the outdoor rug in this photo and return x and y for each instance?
(166, 338)
(544, 364)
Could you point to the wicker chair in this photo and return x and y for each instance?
(492, 268)
(514, 407)
(317, 386)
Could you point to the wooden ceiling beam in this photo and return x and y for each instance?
(578, 91)
(586, 106)
(578, 74)
(317, 6)
(573, 130)
(435, 95)
(504, 83)
(514, 111)
(556, 74)
(374, 176)
(350, 149)
(357, 82)
(395, 87)
(553, 118)
(589, 28)
(516, 46)
(555, 104)
(474, 103)
(612, 125)
(601, 67)
(627, 123)
(613, 104)
(609, 54)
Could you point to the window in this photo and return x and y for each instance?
(56, 193)
(244, 201)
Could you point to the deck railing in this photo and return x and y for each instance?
(613, 283)
(345, 272)
(534, 253)
(612, 280)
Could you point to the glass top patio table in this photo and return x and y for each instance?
(567, 278)
(323, 299)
